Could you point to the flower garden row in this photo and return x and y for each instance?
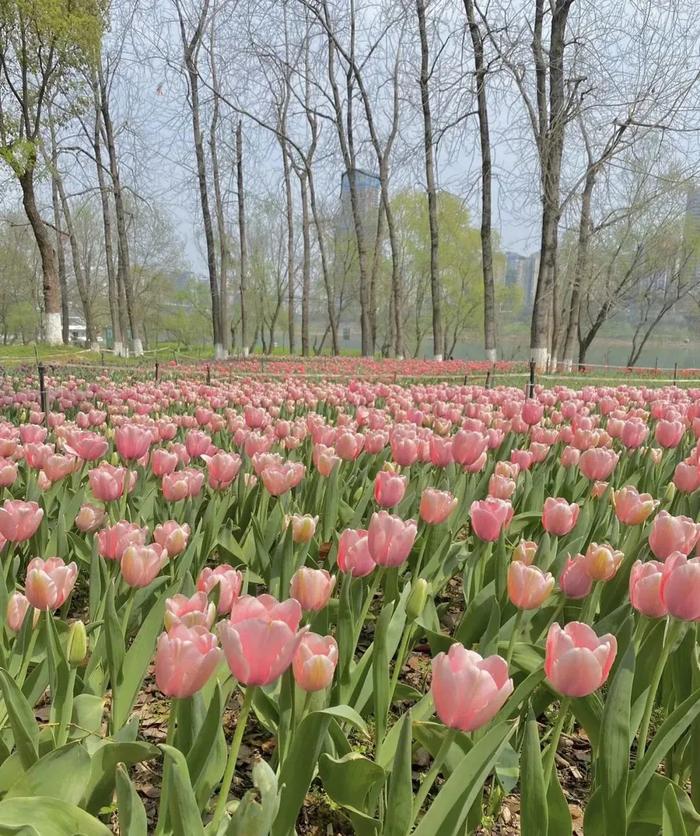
(284, 549)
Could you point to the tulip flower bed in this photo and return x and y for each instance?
(268, 607)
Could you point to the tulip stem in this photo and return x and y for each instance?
(232, 759)
(429, 780)
(398, 667)
(548, 763)
(672, 631)
(514, 635)
(376, 580)
(591, 606)
(165, 782)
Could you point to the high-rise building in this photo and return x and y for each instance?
(521, 271)
(368, 191)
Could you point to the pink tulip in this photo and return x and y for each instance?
(525, 552)
(532, 412)
(669, 433)
(222, 469)
(354, 557)
(8, 473)
(468, 690)
(260, 638)
(197, 443)
(324, 459)
(389, 488)
(501, 487)
(404, 450)
(172, 537)
(108, 483)
(528, 586)
(441, 454)
(597, 463)
(631, 507)
(87, 446)
(141, 564)
(574, 581)
(19, 520)
(645, 588)
(602, 562)
(175, 486)
(49, 582)
(195, 611)
(680, 586)
(314, 662)
(468, 447)
(17, 607)
(89, 518)
(278, 479)
(686, 477)
(132, 441)
(349, 445)
(312, 588)
(185, 659)
(489, 517)
(228, 580)
(558, 516)
(303, 527)
(599, 489)
(163, 462)
(509, 470)
(570, 457)
(634, 433)
(36, 454)
(57, 467)
(112, 541)
(436, 506)
(577, 662)
(390, 539)
(523, 458)
(670, 534)
(32, 434)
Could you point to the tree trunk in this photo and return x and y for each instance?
(112, 289)
(550, 146)
(584, 237)
(325, 272)
(190, 54)
(428, 146)
(243, 244)
(289, 205)
(47, 253)
(80, 280)
(60, 252)
(224, 333)
(480, 70)
(123, 261)
(306, 265)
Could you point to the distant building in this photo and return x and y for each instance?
(368, 191)
(521, 271)
(77, 330)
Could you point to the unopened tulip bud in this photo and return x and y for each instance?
(525, 552)
(417, 599)
(77, 647)
(670, 492)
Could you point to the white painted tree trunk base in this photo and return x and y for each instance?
(553, 362)
(137, 347)
(220, 352)
(540, 356)
(567, 364)
(53, 329)
(94, 346)
(491, 355)
(437, 358)
(118, 349)
(245, 351)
